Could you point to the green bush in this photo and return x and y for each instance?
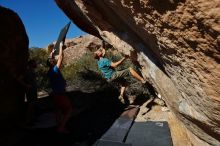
(86, 62)
(40, 56)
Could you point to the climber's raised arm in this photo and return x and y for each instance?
(60, 56)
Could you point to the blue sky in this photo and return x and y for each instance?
(43, 20)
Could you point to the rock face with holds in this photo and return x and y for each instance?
(177, 44)
(14, 56)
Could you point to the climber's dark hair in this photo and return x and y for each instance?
(95, 55)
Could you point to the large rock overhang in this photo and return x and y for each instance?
(177, 44)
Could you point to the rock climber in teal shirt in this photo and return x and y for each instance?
(107, 68)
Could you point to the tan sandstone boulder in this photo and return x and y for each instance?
(176, 42)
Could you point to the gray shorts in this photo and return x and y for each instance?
(119, 74)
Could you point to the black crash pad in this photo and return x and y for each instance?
(150, 133)
(121, 126)
(110, 143)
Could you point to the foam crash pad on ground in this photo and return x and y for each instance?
(110, 143)
(121, 126)
(119, 130)
(150, 133)
(117, 133)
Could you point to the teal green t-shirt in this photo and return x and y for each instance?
(104, 65)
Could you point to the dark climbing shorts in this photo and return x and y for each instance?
(119, 74)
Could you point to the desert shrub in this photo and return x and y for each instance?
(86, 62)
(40, 56)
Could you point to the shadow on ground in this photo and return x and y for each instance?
(94, 114)
(95, 108)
